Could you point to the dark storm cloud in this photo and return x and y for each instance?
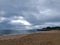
(34, 12)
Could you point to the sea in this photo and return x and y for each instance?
(14, 32)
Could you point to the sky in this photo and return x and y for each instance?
(29, 14)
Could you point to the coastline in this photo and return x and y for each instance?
(43, 38)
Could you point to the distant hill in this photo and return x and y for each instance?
(49, 28)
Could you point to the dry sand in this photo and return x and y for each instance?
(39, 38)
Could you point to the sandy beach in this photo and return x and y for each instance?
(38, 38)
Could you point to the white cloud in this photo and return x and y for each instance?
(46, 12)
(2, 19)
(24, 22)
(19, 20)
(17, 17)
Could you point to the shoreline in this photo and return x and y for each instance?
(37, 38)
